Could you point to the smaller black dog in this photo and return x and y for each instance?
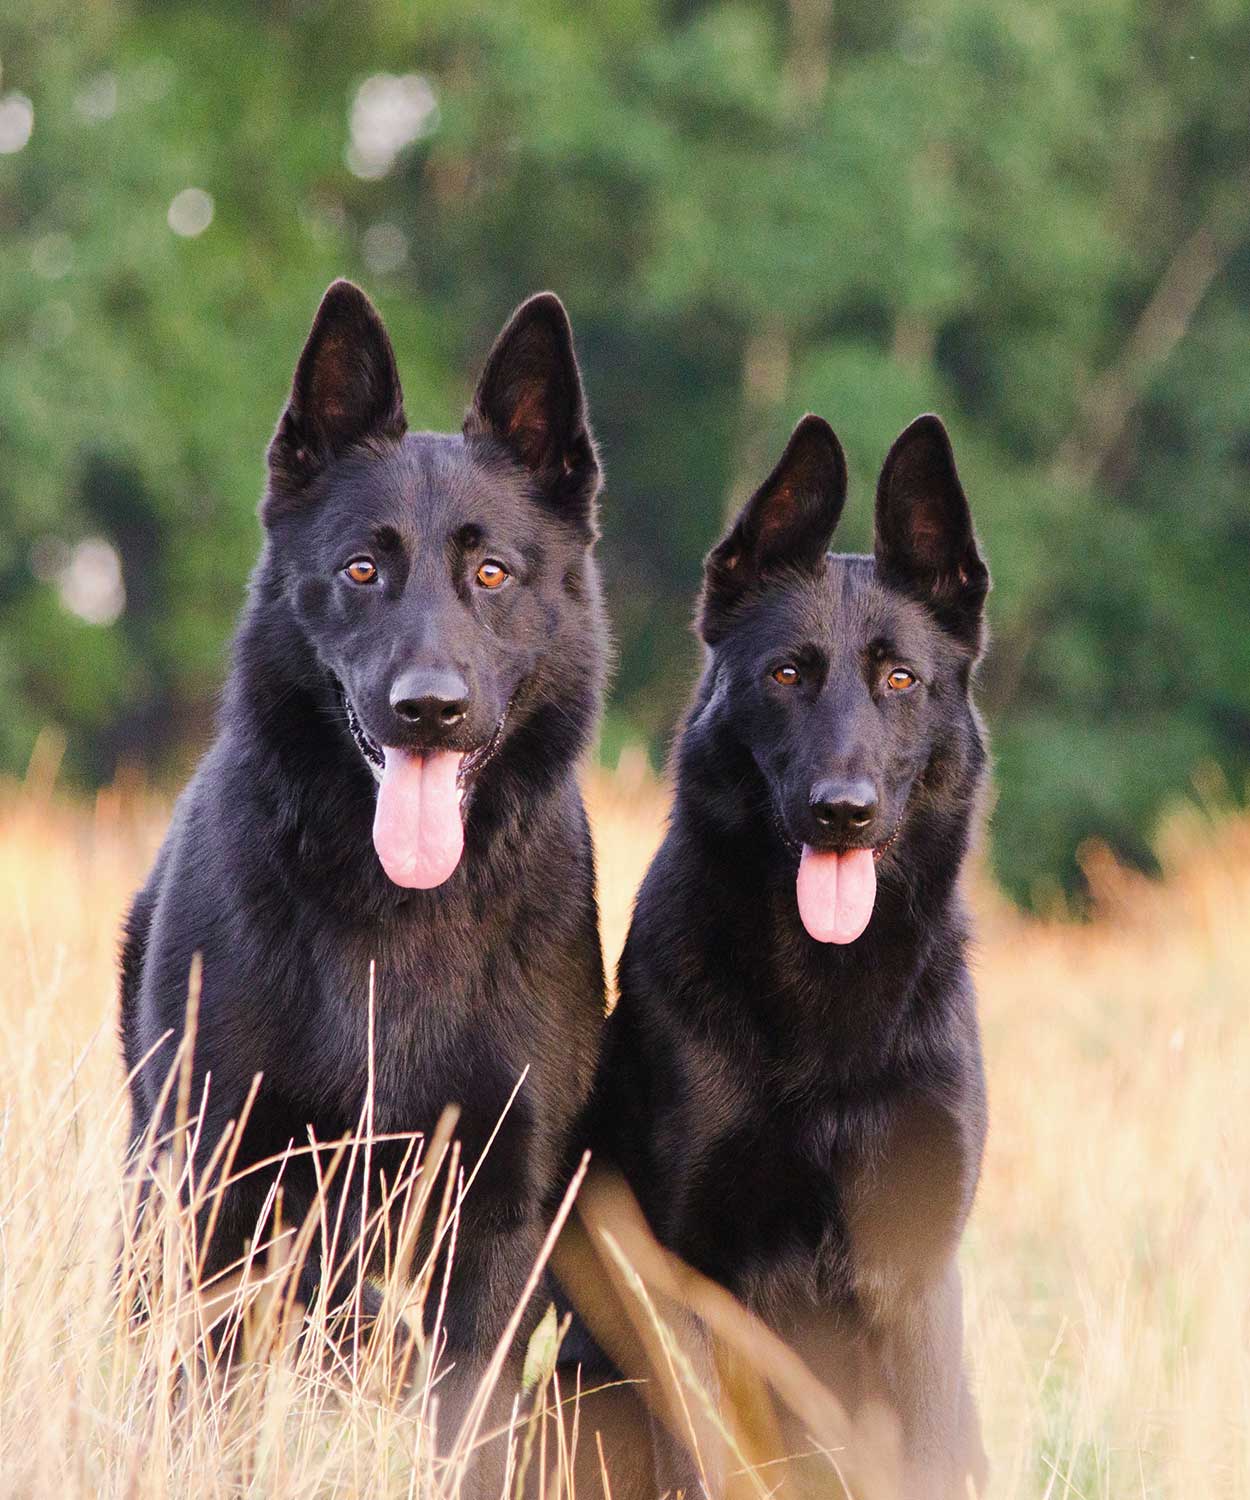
(792, 1080)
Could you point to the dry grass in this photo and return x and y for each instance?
(1108, 1262)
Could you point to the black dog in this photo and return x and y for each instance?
(792, 1080)
(422, 655)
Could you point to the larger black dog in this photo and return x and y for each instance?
(792, 1080)
(421, 657)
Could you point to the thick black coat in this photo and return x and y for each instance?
(804, 1121)
(268, 869)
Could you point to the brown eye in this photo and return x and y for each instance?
(787, 676)
(492, 575)
(361, 570)
(900, 679)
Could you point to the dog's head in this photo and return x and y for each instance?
(847, 679)
(445, 581)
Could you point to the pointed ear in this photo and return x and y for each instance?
(925, 544)
(530, 400)
(346, 389)
(787, 523)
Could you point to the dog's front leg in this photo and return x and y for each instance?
(690, 1458)
(496, 1248)
(916, 1350)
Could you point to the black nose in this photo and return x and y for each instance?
(844, 806)
(435, 698)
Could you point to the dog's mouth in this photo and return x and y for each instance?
(836, 889)
(418, 827)
(374, 755)
(368, 747)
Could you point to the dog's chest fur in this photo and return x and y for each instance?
(803, 1200)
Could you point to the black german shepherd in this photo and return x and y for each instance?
(417, 672)
(792, 1079)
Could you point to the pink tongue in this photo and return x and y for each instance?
(836, 892)
(417, 829)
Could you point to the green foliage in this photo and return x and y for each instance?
(980, 206)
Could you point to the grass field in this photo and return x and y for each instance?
(1107, 1264)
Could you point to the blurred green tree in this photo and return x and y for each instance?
(1031, 217)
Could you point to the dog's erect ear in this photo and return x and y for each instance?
(924, 539)
(530, 399)
(346, 389)
(786, 524)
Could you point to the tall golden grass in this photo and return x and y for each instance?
(1107, 1264)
